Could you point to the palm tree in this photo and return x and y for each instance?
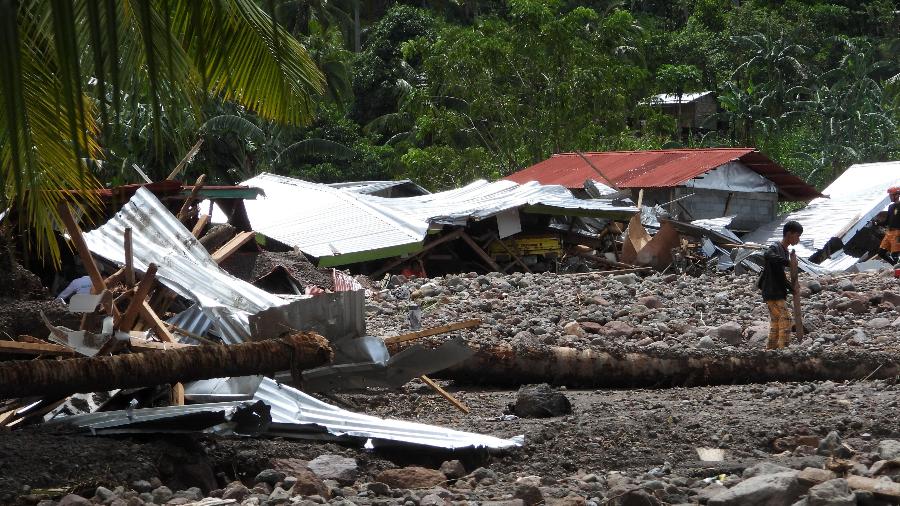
(69, 66)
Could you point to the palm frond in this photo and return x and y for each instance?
(311, 149)
(234, 124)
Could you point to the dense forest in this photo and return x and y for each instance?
(441, 92)
(447, 91)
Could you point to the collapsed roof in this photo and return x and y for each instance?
(853, 200)
(340, 226)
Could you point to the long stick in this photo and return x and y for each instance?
(795, 282)
(445, 394)
(64, 377)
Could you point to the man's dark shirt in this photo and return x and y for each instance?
(773, 282)
(893, 217)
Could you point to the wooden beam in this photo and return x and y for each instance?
(514, 256)
(200, 225)
(129, 258)
(184, 161)
(445, 394)
(183, 212)
(115, 278)
(443, 329)
(78, 240)
(34, 348)
(148, 314)
(141, 344)
(177, 397)
(452, 236)
(799, 331)
(231, 246)
(129, 318)
(477, 249)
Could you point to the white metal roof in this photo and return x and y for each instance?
(370, 187)
(672, 98)
(183, 263)
(323, 221)
(855, 198)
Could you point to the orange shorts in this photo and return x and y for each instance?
(891, 241)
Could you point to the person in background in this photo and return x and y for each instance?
(889, 249)
(775, 285)
(78, 285)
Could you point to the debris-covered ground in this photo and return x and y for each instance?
(626, 446)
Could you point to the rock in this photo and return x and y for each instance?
(573, 329)
(706, 342)
(411, 477)
(540, 401)
(344, 470)
(616, 328)
(141, 486)
(651, 301)
(888, 449)
(192, 494)
(829, 444)
(731, 332)
(636, 498)
(831, 493)
(528, 492)
(878, 323)
(378, 488)
(161, 495)
(178, 501)
(779, 489)
(305, 482)
(764, 468)
(270, 476)
(74, 500)
(845, 285)
(236, 490)
(279, 495)
(432, 500)
(453, 469)
(513, 502)
(813, 475)
(104, 494)
(627, 279)
(814, 286)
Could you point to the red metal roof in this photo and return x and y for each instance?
(659, 169)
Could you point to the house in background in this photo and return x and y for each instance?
(691, 184)
(694, 112)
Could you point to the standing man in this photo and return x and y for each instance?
(890, 245)
(775, 285)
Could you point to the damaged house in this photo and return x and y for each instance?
(691, 184)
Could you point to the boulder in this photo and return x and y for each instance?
(779, 489)
(888, 449)
(343, 470)
(453, 469)
(270, 476)
(411, 477)
(74, 500)
(764, 468)
(540, 401)
(731, 332)
(831, 493)
(616, 328)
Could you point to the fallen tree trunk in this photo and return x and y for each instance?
(304, 350)
(508, 366)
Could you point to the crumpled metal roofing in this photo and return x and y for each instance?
(296, 414)
(370, 187)
(659, 169)
(853, 200)
(481, 199)
(183, 264)
(328, 222)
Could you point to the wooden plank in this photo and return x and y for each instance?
(514, 256)
(81, 247)
(795, 283)
(141, 344)
(231, 246)
(182, 213)
(129, 258)
(200, 225)
(477, 249)
(177, 394)
(129, 318)
(34, 348)
(443, 329)
(115, 278)
(452, 236)
(184, 161)
(148, 314)
(445, 394)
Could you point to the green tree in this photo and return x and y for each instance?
(69, 65)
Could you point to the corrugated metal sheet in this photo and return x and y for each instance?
(659, 169)
(672, 99)
(296, 414)
(854, 199)
(183, 264)
(324, 221)
(372, 187)
(327, 222)
(481, 199)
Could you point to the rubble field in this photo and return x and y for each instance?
(771, 442)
